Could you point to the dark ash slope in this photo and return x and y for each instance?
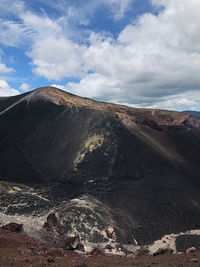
(144, 164)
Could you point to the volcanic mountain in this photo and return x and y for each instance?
(98, 164)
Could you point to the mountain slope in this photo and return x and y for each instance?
(141, 164)
(195, 113)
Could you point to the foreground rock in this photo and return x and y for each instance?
(111, 232)
(56, 233)
(53, 226)
(191, 250)
(12, 227)
(70, 243)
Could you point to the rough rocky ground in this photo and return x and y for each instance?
(17, 249)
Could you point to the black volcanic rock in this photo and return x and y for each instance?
(143, 165)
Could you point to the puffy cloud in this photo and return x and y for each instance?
(19, 25)
(28, 30)
(57, 58)
(157, 57)
(24, 87)
(59, 86)
(97, 86)
(41, 26)
(150, 61)
(5, 89)
(154, 62)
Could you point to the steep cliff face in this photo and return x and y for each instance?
(141, 164)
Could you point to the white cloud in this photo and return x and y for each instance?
(186, 101)
(62, 87)
(24, 87)
(82, 12)
(28, 28)
(5, 89)
(118, 7)
(14, 34)
(157, 57)
(154, 60)
(57, 58)
(97, 86)
(41, 26)
(4, 69)
(151, 59)
(10, 7)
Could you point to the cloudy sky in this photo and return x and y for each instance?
(144, 53)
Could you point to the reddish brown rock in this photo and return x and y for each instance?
(13, 227)
(194, 260)
(10, 255)
(55, 252)
(97, 252)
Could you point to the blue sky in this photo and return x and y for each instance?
(141, 53)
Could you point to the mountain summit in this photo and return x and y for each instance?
(136, 169)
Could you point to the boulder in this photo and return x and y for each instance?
(69, 243)
(53, 225)
(141, 252)
(191, 250)
(131, 255)
(109, 247)
(180, 253)
(97, 252)
(13, 227)
(81, 247)
(110, 231)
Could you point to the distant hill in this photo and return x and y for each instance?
(195, 113)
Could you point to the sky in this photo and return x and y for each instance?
(142, 53)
